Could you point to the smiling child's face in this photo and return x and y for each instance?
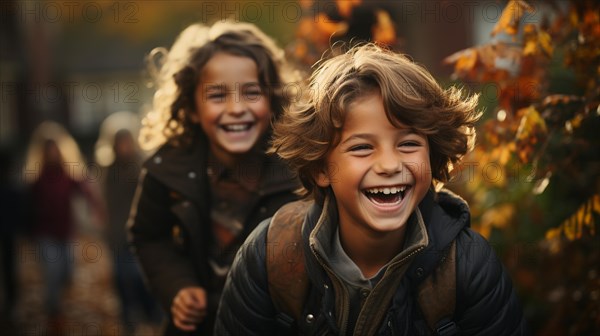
(231, 107)
(379, 173)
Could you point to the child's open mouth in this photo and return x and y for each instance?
(241, 127)
(386, 195)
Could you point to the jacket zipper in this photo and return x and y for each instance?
(399, 263)
(345, 305)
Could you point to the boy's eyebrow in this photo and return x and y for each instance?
(369, 136)
(250, 84)
(221, 86)
(365, 136)
(208, 87)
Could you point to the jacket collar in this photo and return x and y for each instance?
(444, 215)
(180, 168)
(322, 235)
(184, 170)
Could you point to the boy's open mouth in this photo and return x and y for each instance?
(241, 127)
(386, 195)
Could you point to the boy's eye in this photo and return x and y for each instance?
(252, 94)
(409, 144)
(358, 148)
(216, 96)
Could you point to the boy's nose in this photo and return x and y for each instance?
(388, 164)
(235, 104)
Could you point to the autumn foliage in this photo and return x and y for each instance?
(533, 182)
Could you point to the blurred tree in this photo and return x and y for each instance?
(350, 21)
(535, 174)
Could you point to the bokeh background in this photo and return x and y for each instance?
(532, 183)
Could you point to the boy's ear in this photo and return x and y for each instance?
(323, 179)
(194, 117)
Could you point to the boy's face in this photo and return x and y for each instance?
(231, 107)
(379, 173)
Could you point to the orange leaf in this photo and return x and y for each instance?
(596, 203)
(509, 20)
(570, 228)
(536, 42)
(530, 123)
(530, 48)
(384, 31)
(499, 216)
(345, 6)
(545, 41)
(553, 233)
(530, 134)
(464, 60)
(504, 155)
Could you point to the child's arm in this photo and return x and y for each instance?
(489, 305)
(167, 269)
(246, 307)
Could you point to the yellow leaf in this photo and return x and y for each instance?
(485, 231)
(499, 216)
(587, 218)
(530, 48)
(545, 42)
(580, 217)
(504, 155)
(464, 60)
(570, 227)
(553, 241)
(596, 203)
(531, 121)
(553, 233)
(589, 215)
(583, 217)
(509, 20)
(576, 121)
(384, 31)
(573, 16)
(345, 6)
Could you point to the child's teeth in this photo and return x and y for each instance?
(236, 127)
(386, 191)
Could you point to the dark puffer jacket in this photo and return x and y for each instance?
(485, 305)
(170, 225)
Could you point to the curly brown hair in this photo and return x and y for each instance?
(176, 75)
(310, 128)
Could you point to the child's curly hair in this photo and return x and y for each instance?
(310, 129)
(176, 75)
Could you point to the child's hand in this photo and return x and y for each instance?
(189, 308)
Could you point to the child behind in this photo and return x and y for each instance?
(373, 139)
(210, 183)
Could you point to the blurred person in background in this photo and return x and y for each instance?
(117, 151)
(11, 220)
(210, 183)
(55, 172)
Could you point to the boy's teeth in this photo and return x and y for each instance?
(386, 190)
(236, 127)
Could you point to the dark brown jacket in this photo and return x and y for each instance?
(485, 301)
(170, 226)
